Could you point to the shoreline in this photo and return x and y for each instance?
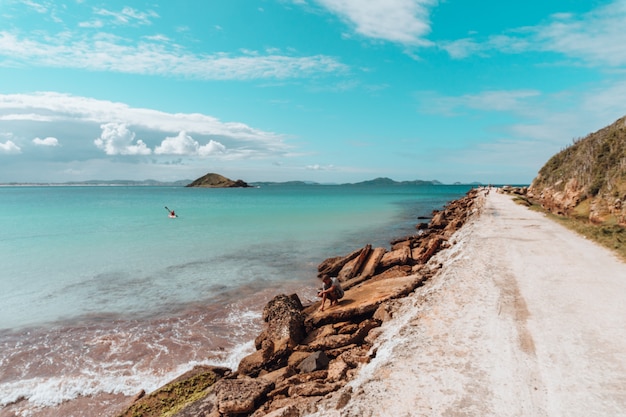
(521, 317)
(524, 318)
(269, 379)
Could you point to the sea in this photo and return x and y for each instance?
(103, 295)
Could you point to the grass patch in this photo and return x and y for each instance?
(610, 235)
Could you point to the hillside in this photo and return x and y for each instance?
(587, 179)
(212, 180)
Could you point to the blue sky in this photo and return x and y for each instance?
(317, 90)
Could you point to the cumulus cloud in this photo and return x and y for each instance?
(49, 141)
(117, 139)
(399, 21)
(9, 147)
(184, 144)
(212, 148)
(55, 108)
(92, 128)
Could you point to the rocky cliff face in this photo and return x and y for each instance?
(587, 179)
(216, 181)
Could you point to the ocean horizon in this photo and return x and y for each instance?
(103, 293)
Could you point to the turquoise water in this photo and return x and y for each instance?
(110, 295)
(70, 251)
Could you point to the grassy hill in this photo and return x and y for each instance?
(588, 178)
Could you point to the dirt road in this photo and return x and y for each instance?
(525, 319)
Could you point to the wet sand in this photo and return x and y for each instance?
(525, 318)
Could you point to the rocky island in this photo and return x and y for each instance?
(212, 180)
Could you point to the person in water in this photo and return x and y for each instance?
(331, 290)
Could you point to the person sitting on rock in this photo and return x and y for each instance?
(331, 290)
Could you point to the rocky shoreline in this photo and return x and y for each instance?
(304, 354)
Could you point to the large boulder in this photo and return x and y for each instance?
(285, 320)
(362, 300)
(284, 331)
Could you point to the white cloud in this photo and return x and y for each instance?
(515, 101)
(117, 139)
(318, 167)
(183, 144)
(128, 15)
(49, 141)
(9, 147)
(399, 21)
(596, 38)
(116, 127)
(212, 148)
(153, 56)
(56, 107)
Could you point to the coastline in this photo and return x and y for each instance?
(305, 354)
(524, 318)
(111, 356)
(495, 330)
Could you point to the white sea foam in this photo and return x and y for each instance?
(51, 391)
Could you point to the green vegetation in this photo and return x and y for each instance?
(597, 162)
(608, 234)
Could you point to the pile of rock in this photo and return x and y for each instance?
(304, 354)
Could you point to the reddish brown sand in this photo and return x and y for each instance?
(526, 318)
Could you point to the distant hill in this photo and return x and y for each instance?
(103, 183)
(389, 181)
(212, 180)
(375, 182)
(587, 179)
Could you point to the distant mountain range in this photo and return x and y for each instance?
(103, 183)
(381, 181)
(376, 182)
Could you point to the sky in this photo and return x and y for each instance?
(330, 91)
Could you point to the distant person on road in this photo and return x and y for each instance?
(331, 290)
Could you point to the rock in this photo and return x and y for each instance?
(183, 390)
(400, 256)
(395, 271)
(352, 268)
(314, 362)
(284, 330)
(431, 247)
(285, 319)
(362, 300)
(240, 396)
(332, 266)
(260, 360)
(372, 262)
(337, 370)
(314, 389)
(439, 220)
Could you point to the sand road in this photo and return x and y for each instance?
(525, 318)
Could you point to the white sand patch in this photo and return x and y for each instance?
(526, 318)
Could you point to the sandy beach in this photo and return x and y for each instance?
(525, 318)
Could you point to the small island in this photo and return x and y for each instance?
(212, 180)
